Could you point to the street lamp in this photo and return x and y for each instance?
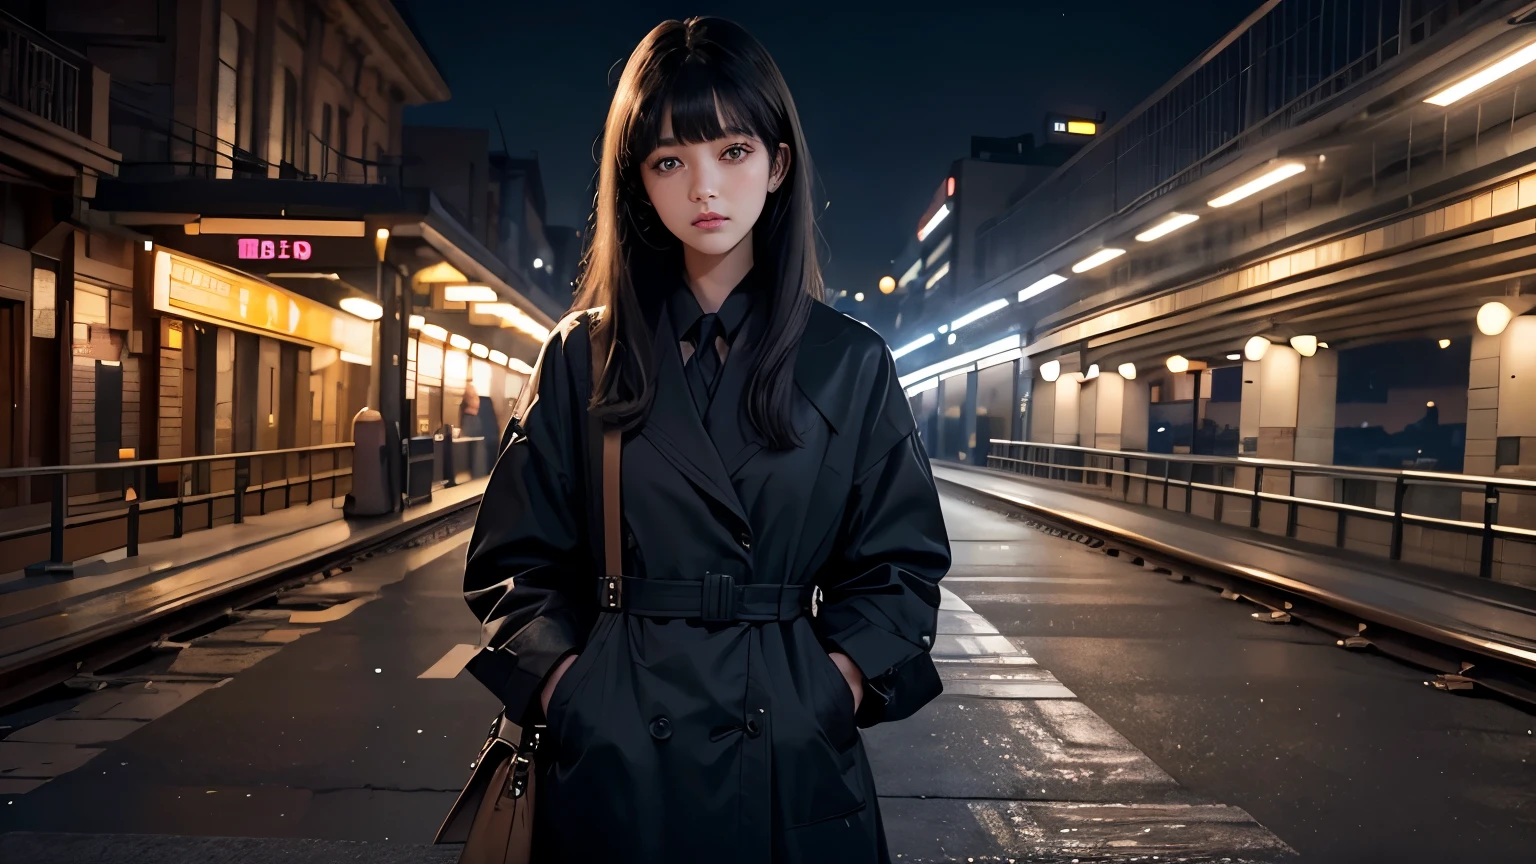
(859, 297)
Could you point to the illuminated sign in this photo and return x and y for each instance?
(196, 289)
(253, 247)
(1075, 127)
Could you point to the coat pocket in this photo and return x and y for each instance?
(567, 688)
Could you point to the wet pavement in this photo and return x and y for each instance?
(1094, 711)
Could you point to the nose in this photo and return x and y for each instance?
(705, 187)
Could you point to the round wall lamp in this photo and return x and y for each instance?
(1092, 373)
(1306, 346)
(1255, 348)
(1050, 370)
(1178, 364)
(1127, 371)
(1493, 317)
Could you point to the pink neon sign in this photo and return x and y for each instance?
(252, 247)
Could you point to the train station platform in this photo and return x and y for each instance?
(1437, 619)
(49, 624)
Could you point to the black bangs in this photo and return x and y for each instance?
(700, 90)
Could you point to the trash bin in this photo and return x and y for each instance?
(370, 485)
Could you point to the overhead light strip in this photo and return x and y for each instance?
(1041, 286)
(930, 384)
(1478, 80)
(912, 346)
(1259, 184)
(978, 314)
(996, 359)
(1174, 222)
(933, 222)
(962, 359)
(1096, 259)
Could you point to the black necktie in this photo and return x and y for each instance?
(703, 366)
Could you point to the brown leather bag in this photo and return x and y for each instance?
(493, 816)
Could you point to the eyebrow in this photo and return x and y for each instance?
(729, 131)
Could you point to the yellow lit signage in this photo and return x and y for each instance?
(197, 289)
(1081, 127)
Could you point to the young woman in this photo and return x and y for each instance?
(782, 535)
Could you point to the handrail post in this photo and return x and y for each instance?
(242, 478)
(1490, 515)
(133, 511)
(1399, 492)
(1167, 467)
(58, 512)
(178, 513)
(1258, 484)
(1291, 508)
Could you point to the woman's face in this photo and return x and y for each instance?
(710, 194)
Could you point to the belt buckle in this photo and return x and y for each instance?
(610, 593)
(718, 598)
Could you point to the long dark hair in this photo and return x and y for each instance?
(701, 69)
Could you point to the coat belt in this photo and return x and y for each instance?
(715, 599)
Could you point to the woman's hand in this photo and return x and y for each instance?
(852, 675)
(552, 680)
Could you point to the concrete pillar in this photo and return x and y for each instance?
(1316, 404)
(1135, 412)
(1501, 436)
(1067, 417)
(1109, 394)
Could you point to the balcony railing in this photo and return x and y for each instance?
(1243, 479)
(158, 147)
(36, 77)
(1291, 57)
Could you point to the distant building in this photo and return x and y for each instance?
(937, 264)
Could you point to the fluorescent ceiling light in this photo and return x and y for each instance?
(1041, 286)
(1234, 356)
(1174, 222)
(978, 314)
(1096, 259)
(961, 359)
(362, 307)
(930, 384)
(1264, 181)
(479, 350)
(517, 365)
(498, 357)
(912, 346)
(995, 359)
(457, 341)
(1478, 80)
(937, 275)
(964, 370)
(432, 331)
(911, 273)
(933, 223)
(469, 294)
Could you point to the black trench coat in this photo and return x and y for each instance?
(676, 739)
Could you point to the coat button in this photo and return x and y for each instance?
(661, 728)
(753, 729)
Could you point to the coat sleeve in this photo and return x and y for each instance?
(880, 585)
(527, 577)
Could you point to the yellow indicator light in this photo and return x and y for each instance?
(1082, 127)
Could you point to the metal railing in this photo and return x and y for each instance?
(36, 77)
(136, 474)
(1223, 476)
(1289, 58)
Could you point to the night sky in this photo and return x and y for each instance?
(889, 93)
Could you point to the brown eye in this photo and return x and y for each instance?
(735, 152)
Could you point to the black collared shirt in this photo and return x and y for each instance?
(685, 311)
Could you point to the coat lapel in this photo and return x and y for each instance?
(727, 421)
(674, 428)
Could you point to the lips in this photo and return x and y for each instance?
(709, 220)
